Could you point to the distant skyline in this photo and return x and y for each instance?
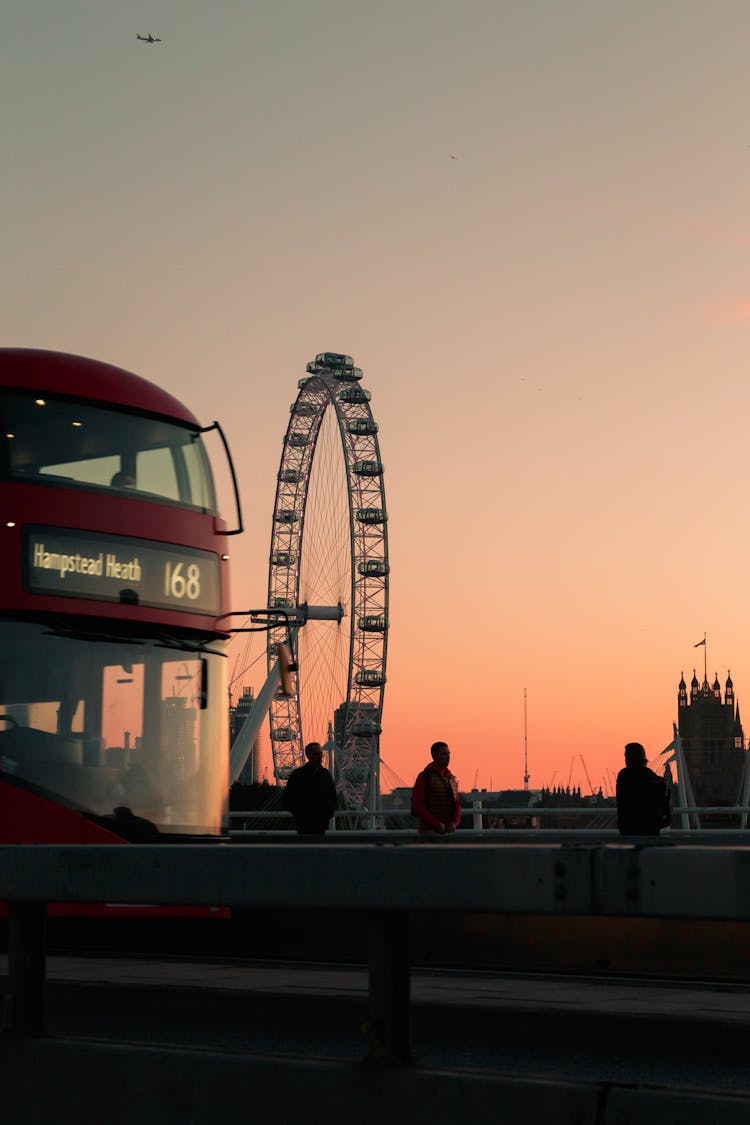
(554, 326)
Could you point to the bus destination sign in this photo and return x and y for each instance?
(114, 568)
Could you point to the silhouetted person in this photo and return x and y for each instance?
(122, 480)
(642, 796)
(310, 795)
(132, 827)
(434, 797)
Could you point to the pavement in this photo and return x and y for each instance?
(539, 994)
(580, 1049)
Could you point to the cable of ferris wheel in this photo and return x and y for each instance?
(247, 668)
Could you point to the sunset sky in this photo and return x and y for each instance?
(554, 325)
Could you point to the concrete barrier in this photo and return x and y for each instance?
(388, 882)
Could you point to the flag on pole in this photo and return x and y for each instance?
(700, 643)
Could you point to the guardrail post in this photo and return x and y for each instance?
(23, 1012)
(388, 1028)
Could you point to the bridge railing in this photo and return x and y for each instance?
(492, 821)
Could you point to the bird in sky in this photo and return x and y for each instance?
(451, 156)
(148, 38)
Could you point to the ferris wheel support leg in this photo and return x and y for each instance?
(388, 1028)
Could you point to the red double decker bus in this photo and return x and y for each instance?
(113, 587)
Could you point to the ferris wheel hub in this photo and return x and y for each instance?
(322, 612)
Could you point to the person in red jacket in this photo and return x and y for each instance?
(434, 798)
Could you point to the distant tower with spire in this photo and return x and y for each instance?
(712, 739)
(251, 772)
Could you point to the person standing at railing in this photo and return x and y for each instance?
(310, 794)
(434, 797)
(642, 796)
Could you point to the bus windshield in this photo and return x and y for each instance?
(127, 728)
(73, 443)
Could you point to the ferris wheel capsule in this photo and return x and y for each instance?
(286, 667)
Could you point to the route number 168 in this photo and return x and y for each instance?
(182, 582)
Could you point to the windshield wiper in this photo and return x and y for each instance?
(180, 645)
(79, 635)
(160, 640)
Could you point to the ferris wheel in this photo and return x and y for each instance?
(328, 580)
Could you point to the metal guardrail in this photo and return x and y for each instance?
(477, 810)
(637, 878)
(373, 820)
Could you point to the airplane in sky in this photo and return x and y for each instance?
(148, 38)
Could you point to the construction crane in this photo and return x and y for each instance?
(591, 787)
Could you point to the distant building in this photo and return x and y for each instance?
(509, 799)
(251, 771)
(353, 760)
(566, 798)
(364, 723)
(713, 741)
(178, 733)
